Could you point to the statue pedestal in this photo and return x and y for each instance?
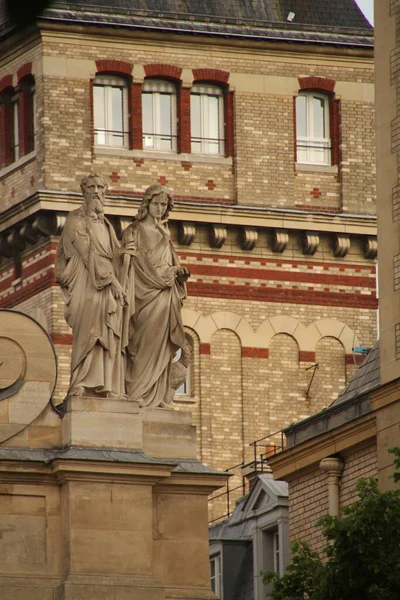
(102, 423)
(119, 512)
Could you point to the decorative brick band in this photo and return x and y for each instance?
(163, 70)
(275, 295)
(317, 83)
(114, 66)
(26, 292)
(62, 339)
(306, 356)
(262, 262)
(5, 82)
(287, 276)
(25, 70)
(205, 349)
(248, 352)
(215, 75)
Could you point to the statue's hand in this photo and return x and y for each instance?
(161, 225)
(130, 249)
(182, 274)
(117, 291)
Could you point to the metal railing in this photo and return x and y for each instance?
(258, 465)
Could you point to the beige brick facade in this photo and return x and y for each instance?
(258, 315)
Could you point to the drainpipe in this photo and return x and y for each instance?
(333, 467)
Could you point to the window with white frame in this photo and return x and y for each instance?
(312, 129)
(159, 115)
(110, 107)
(276, 551)
(216, 575)
(207, 119)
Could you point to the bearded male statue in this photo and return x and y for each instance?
(85, 268)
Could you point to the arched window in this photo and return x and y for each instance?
(9, 126)
(313, 128)
(110, 109)
(26, 111)
(159, 115)
(207, 119)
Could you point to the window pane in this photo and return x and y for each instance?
(99, 115)
(116, 117)
(213, 125)
(318, 106)
(165, 122)
(147, 116)
(301, 116)
(195, 121)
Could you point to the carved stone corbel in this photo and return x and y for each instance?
(217, 236)
(280, 240)
(248, 238)
(186, 232)
(370, 247)
(341, 245)
(310, 242)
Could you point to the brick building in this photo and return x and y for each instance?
(260, 120)
(329, 451)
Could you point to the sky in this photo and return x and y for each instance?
(367, 6)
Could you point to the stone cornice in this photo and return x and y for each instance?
(44, 213)
(308, 454)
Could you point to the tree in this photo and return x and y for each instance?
(362, 557)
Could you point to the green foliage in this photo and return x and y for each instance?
(362, 557)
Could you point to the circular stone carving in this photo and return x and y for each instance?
(12, 367)
(28, 371)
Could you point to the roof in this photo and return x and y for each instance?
(265, 495)
(339, 22)
(366, 378)
(352, 403)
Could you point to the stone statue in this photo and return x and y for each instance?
(155, 287)
(86, 262)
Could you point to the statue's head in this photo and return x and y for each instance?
(93, 190)
(155, 190)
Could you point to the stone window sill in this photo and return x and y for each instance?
(184, 399)
(167, 156)
(17, 164)
(316, 168)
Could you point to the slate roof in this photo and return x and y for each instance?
(352, 403)
(319, 21)
(365, 379)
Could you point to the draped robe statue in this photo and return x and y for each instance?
(155, 287)
(86, 263)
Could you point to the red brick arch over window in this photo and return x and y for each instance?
(212, 75)
(163, 71)
(119, 67)
(326, 86)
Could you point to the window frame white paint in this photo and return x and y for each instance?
(107, 83)
(312, 150)
(154, 138)
(216, 575)
(204, 141)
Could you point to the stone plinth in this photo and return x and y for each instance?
(102, 423)
(169, 434)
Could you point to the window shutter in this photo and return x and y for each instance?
(26, 126)
(334, 106)
(229, 133)
(184, 133)
(7, 133)
(136, 129)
